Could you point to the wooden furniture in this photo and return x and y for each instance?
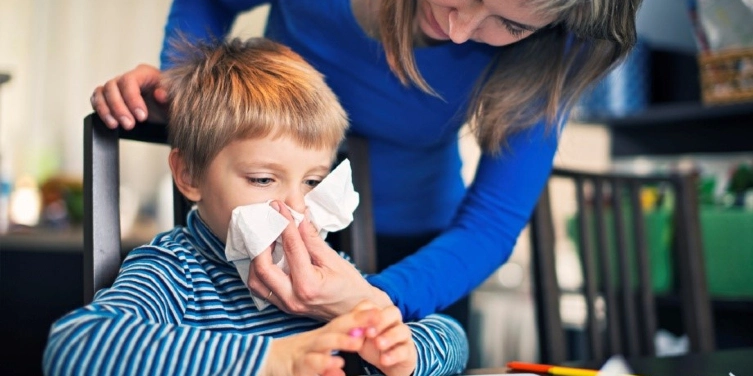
(102, 243)
(682, 128)
(629, 322)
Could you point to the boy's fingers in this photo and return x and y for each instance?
(335, 371)
(319, 363)
(330, 341)
(392, 337)
(354, 320)
(395, 355)
(391, 316)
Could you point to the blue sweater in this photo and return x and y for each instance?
(413, 144)
(178, 307)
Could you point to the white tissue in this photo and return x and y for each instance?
(254, 227)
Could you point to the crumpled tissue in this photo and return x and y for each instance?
(253, 228)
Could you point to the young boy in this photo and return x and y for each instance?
(250, 122)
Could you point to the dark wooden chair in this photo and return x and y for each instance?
(102, 238)
(630, 322)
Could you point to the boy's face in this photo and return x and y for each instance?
(253, 171)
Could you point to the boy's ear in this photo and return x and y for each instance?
(182, 177)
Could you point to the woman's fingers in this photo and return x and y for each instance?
(296, 254)
(317, 248)
(143, 94)
(120, 100)
(264, 276)
(116, 104)
(99, 104)
(132, 98)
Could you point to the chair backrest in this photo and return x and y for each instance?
(628, 323)
(102, 242)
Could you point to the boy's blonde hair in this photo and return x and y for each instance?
(225, 91)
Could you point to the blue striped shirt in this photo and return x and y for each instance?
(178, 307)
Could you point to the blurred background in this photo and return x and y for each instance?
(666, 108)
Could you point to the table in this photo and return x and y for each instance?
(738, 362)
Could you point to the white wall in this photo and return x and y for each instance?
(57, 51)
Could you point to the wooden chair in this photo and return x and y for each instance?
(630, 321)
(102, 238)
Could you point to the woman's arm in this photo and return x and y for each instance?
(495, 210)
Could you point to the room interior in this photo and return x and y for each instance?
(55, 53)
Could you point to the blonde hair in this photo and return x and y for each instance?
(538, 77)
(225, 91)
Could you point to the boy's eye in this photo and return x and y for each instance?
(260, 181)
(312, 182)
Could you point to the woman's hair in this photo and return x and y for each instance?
(225, 91)
(538, 77)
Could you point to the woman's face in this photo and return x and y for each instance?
(494, 22)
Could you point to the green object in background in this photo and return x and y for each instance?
(728, 251)
(741, 180)
(727, 236)
(658, 242)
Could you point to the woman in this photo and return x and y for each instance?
(410, 73)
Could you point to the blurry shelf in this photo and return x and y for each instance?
(682, 128)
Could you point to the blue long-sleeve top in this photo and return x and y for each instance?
(178, 307)
(415, 162)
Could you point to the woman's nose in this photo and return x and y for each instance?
(463, 24)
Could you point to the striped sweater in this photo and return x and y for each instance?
(178, 307)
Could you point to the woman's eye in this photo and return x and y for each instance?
(260, 181)
(512, 29)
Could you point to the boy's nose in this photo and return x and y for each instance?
(463, 24)
(295, 201)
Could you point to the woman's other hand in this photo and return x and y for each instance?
(311, 353)
(134, 96)
(321, 284)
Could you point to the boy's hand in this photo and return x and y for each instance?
(389, 346)
(310, 353)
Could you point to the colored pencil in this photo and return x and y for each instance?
(554, 370)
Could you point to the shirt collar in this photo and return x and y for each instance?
(205, 241)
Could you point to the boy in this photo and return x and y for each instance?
(249, 122)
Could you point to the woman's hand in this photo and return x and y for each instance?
(389, 346)
(321, 284)
(133, 96)
(310, 353)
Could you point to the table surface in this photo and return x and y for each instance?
(737, 362)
